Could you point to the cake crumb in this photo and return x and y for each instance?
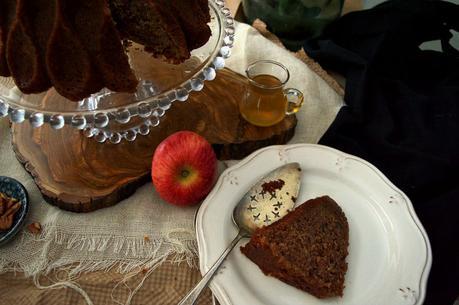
(34, 228)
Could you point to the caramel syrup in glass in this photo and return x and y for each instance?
(265, 102)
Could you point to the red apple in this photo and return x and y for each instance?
(183, 168)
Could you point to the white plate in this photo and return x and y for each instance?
(389, 253)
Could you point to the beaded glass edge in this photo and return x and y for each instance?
(151, 110)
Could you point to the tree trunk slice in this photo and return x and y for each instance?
(80, 175)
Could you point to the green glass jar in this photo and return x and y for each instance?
(293, 21)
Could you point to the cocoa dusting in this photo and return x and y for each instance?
(272, 186)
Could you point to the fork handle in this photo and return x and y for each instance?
(193, 295)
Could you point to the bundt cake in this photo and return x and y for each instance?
(76, 46)
(191, 22)
(69, 64)
(152, 24)
(7, 14)
(306, 249)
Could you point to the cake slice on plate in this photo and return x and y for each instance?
(306, 249)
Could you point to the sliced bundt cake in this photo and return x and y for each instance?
(96, 30)
(69, 64)
(7, 16)
(27, 44)
(192, 20)
(76, 46)
(204, 6)
(152, 24)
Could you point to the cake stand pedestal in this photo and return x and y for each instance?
(78, 174)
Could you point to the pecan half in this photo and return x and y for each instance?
(8, 208)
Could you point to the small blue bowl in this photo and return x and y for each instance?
(13, 188)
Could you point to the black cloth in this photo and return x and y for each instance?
(402, 114)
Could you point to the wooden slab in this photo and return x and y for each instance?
(80, 175)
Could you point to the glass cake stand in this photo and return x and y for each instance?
(113, 116)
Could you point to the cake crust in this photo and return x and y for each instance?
(306, 249)
(96, 30)
(26, 45)
(153, 24)
(193, 22)
(7, 15)
(69, 64)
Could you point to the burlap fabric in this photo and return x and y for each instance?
(112, 241)
(166, 286)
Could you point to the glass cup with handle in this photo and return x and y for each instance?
(266, 101)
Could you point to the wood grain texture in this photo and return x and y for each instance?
(80, 175)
